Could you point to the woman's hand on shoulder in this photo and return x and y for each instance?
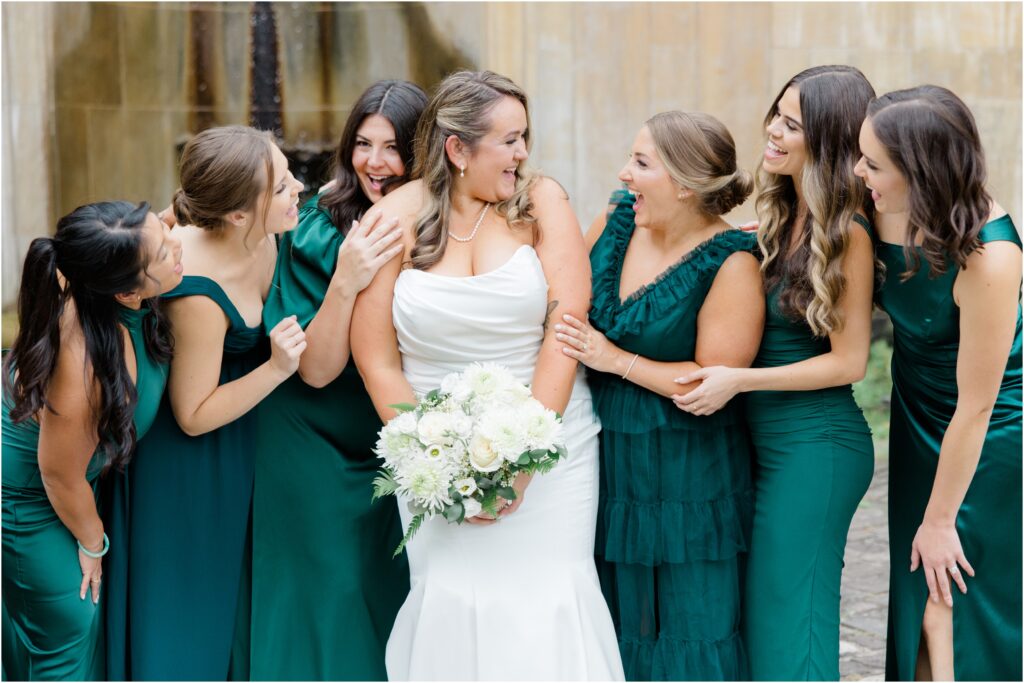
(372, 242)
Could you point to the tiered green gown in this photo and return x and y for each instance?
(188, 513)
(675, 497)
(926, 336)
(814, 462)
(49, 632)
(325, 589)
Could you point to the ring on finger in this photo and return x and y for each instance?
(954, 570)
(96, 581)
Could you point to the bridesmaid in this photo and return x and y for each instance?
(325, 589)
(191, 482)
(673, 286)
(81, 385)
(814, 456)
(952, 288)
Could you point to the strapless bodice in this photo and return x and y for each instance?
(445, 323)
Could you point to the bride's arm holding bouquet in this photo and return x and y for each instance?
(563, 256)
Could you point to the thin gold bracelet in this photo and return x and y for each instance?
(631, 364)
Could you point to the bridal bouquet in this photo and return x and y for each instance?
(459, 451)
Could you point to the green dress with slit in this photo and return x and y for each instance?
(49, 633)
(814, 462)
(675, 491)
(325, 589)
(185, 503)
(926, 340)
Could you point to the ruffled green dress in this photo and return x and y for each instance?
(325, 589)
(814, 462)
(49, 632)
(675, 492)
(188, 502)
(926, 339)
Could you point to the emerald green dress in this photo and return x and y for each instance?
(188, 502)
(675, 491)
(325, 590)
(926, 336)
(814, 462)
(49, 632)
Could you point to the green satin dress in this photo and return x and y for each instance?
(325, 590)
(926, 336)
(675, 491)
(814, 462)
(188, 505)
(49, 632)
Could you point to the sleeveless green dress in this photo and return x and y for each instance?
(814, 462)
(926, 336)
(675, 492)
(49, 632)
(188, 505)
(325, 590)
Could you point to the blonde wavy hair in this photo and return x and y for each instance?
(461, 107)
(833, 104)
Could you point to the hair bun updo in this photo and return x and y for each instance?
(732, 194)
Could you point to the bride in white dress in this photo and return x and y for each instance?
(493, 253)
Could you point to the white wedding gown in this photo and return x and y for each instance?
(519, 599)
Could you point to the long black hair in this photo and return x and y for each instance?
(401, 103)
(99, 252)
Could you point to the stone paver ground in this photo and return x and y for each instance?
(865, 586)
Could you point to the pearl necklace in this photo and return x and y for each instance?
(475, 227)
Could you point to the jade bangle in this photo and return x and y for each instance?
(88, 553)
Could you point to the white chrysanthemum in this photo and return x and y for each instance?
(541, 426)
(482, 456)
(504, 430)
(426, 482)
(487, 379)
(394, 447)
(472, 507)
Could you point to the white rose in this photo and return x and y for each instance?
(467, 486)
(472, 507)
(482, 455)
(405, 423)
(432, 428)
(462, 425)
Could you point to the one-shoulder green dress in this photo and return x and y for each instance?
(814, 462)
(188, 507)
(49, 632)
(325, 590)
(675, 490)
(926, 341)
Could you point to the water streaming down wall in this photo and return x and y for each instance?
(99, 97)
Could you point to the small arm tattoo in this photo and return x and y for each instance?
(552, 305)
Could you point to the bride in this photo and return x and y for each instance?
(493, 254)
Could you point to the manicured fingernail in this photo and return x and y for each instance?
(566, 317)
(559, 327)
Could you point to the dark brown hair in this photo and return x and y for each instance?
(699, 154)
(220, 172)
(930, 136)
(401, 103)
(833, 103)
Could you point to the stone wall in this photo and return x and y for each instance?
(98, 97)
